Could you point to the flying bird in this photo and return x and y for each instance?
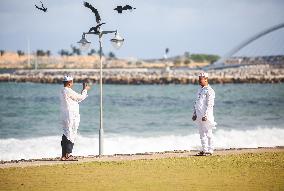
(119, 8)
(167, 50)
(42, 8)
(128, 7)
(94, 10)
(96, 29)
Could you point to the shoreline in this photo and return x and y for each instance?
(132, 157)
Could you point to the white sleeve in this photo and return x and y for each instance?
(193, 109)
(75, 96)
(196, 96)
(210, 101)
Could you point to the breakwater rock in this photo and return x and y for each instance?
(243, 74)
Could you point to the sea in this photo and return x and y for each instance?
(137, 119)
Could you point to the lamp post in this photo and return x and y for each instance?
(117, 42)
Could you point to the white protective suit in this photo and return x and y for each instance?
(70, 115)
(203, 107)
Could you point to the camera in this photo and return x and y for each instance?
(84, 85)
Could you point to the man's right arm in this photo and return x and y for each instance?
(77, 97)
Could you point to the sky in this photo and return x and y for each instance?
(195, 26)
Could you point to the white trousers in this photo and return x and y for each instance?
(206, 137)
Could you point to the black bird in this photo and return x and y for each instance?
(128, 7)
(96, 29)
(42, 8)
(167, 50)
(119, 8)
(94, 10)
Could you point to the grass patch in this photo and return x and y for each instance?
(261, 171)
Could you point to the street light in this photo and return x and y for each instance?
(117, 42)
(84, 44)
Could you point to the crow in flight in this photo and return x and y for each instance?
(96, 29)
(42, 8)
(94, 10)
(167, 50)
(119, 9)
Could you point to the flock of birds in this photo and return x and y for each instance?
(95, 29)
(119, 8)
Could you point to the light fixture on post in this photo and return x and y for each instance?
(84, 44)
(117, 42)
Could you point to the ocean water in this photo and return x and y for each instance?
(138, 118)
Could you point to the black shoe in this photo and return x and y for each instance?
(201, 153)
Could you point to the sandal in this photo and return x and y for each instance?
(71, 158)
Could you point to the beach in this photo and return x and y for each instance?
(150, 127)
(234, 169)
(137, 119)
(140, 95)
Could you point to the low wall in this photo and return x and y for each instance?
(244, 74)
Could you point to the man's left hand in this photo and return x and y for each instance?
(204, 118)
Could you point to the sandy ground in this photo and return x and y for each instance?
(138, 156)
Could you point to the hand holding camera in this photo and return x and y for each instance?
(86, 86)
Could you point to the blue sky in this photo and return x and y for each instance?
(196, 26)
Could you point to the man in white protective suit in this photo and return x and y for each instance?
(203, 114)
(70, 116)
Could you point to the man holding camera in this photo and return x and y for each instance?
(203, 114)
(70, 115)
